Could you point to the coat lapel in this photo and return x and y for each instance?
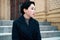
(26, 29)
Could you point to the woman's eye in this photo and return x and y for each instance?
(33, 8)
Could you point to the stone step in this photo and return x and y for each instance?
(5, 29)
(44, 34)
(44, 23)
(47, 28)
(8, 29)
(6, 22)
(51, 38)
(10, 22)
(48, 34)
(9, 37)
(5, 36)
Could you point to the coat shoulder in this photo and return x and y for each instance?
(19, 20)
(35, 21)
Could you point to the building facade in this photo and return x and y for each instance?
(46, 10)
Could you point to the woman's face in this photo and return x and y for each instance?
(30, 11)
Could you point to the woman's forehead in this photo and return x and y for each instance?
(32, 6)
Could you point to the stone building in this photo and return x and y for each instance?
(46, 10)
(47, 13)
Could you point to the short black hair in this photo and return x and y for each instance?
(25, 5)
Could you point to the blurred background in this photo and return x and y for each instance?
(47, 14)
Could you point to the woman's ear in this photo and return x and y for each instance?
(25, 10)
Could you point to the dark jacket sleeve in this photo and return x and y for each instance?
(37, 35)
(15, 32)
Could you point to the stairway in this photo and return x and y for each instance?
(6, 29)
(48, 32)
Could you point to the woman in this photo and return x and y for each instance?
(25, 27)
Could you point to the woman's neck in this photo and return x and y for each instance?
(26, 16)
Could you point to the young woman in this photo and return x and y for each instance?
(25, 27)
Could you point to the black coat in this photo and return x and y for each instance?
(22, 31)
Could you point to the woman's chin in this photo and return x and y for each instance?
(32, 16)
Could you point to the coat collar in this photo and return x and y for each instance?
(22, 19)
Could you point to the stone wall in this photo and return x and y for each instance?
(0, 9)
(4, 9)
(48, 10)
(40, 10)
(53, 14)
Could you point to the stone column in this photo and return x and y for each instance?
(0, 9)
(5, 9)
(40, 14)
(53, 14)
